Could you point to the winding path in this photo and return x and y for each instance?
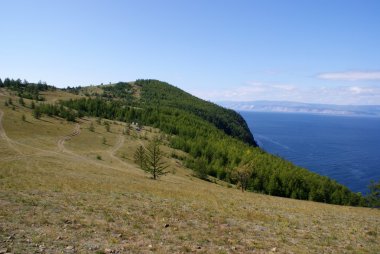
(114, 149)
(111, 151)
(62, 151)
(61, 141)
(11, 143)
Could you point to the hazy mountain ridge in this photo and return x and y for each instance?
(298, 107)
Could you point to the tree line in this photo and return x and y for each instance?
(25, 89)
(212, 151)
(205, 132)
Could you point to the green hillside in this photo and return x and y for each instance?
(69, 184)
(156, 94)
(216, 141)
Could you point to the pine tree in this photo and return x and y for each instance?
(139, 156)
(153, 160)
(7, 82)
(127, 130)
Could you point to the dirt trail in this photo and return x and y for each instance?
(21, 155)
(113, 150)
(118, 145)
(61, 141)
(3, 135)
(72, 154)
(62, 151)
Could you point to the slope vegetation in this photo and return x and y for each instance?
(207, 133)
(156, 94)
(68, 188)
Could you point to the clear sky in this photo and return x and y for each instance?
(323, 51)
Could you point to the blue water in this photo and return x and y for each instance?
(346, 149)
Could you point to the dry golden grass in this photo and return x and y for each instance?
(55, 96)
(54, 201)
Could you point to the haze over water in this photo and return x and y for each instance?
(345, 149)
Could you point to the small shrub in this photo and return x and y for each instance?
(21, 101)
(91, 128)
(108, 127)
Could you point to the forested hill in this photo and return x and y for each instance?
(215, 141)
(157, 93)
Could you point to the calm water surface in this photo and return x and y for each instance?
(346, 149)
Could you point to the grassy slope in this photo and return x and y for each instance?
(51, 199)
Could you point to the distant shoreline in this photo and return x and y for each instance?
(303, 108)
(311, 113)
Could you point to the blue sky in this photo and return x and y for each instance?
(307, 51)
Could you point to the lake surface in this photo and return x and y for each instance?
(346, 149)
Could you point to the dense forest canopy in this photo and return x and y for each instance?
(217, 140)
(156, 93)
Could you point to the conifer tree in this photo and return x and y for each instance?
(139, 156)
(153, 160)
(7, 82)
(127, 130)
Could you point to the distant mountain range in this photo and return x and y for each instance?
(297, 107)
